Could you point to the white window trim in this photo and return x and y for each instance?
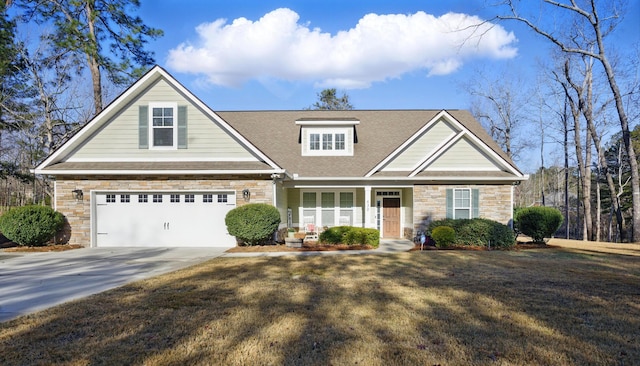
(153, 105)
(319, 209)
(454, 207)
(348, 143)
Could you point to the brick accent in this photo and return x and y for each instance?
(429, 203)
(78, 213)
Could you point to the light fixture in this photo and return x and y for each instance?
(77, 193)
(246, 194)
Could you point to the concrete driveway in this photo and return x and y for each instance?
(30, 282)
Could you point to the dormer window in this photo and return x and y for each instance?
(327, 138)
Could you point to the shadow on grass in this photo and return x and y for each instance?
(546, 307)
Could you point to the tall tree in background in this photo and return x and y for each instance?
(590, 42)
(328, 100)
(103, 32)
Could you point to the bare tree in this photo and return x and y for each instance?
(580, 43)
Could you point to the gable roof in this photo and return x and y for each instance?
(381, 135)
(56, 162)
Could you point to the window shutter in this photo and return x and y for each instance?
(182, 127)
(143, 127)
(449, 203)
(475, 203)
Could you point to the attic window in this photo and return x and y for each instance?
(163, 133)
(327, 137)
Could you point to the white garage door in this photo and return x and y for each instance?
(163, 219)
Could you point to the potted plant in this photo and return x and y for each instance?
(291, 232)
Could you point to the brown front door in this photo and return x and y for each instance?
(391, 217)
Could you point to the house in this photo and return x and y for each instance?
(158, 167)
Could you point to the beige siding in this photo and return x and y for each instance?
(422, 147)
(463, 155)
(118, 139)
(293, 200)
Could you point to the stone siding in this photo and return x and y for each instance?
(430, 203)
(78, 213)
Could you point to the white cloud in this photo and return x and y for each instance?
(378, 48)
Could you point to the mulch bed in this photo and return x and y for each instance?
(306, 247)
(46, 248)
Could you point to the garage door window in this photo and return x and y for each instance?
(142, 198)
(189, 198)
(111, 198)
(175, 198)
(207, 198)
(157, 198)
(222, 198)
(125, 198)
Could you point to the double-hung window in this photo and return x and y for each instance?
(463, 203)
(163, 125)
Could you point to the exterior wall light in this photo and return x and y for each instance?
(246, 194)
(77, 194)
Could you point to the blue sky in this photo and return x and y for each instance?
(408, 87)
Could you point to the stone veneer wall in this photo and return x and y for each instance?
(430, 203)
(78, 213)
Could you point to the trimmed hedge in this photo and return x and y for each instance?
(443, 236)
(538, 222)
(253, 223)
(31, 225)
(350, 235)
(478, 232)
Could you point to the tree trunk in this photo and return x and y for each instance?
(92, 58)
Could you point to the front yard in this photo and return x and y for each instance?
(545, 307)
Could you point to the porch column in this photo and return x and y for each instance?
(367, 207)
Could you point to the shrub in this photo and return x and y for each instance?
(253, 223)
(31, 225)
(444, 236)
(478, 231)
(538, 222)
(351, 236)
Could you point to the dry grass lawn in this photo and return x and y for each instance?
(553, 306)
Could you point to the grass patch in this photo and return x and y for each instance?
(542, 306)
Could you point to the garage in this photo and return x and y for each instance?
(162, 219)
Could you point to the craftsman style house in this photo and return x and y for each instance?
(158, 167)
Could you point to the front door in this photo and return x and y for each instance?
(391, 217)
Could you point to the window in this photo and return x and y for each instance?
(463, 203)
(142, 198)
(111, 198)
(328, 141)
(157, 198)
(175, 198)
(329, 208)
(222, 198)
(207, 198)
(339, 141)
(163, 131)
(314, 141)
(189, 198)
(125, 198)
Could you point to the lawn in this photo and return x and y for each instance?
(553, 306)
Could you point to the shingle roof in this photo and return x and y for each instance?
(380, 132)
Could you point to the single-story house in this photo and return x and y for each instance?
(158, 167)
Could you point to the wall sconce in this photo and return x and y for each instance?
(77, 193)
(246, 194)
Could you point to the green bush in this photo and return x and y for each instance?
(351, 236)
(253, 223)
(538, 222)
(480, 232)
(31, 225)
(444, 236)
